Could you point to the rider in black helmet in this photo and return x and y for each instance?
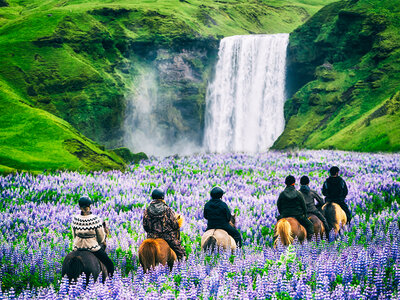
(89, 233)
(218, 215)
(309, 197)
(159, 221)
(291, 204)
(335, 190)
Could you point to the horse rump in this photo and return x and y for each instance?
(210, 244)
(73, 267)
(148, 253)
(334, 215)
(283, 229)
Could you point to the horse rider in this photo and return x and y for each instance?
(89, 234)
(335, 190)
(309, 197)
(291, 203)
(159, 221)
(218, 215)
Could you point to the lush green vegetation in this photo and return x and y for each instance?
(77, 60)
(33, 139)
(349, 54)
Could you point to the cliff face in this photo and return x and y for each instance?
(80, 60)
(178, 82)
(343, 77)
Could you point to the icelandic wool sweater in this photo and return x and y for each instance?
(88, 232)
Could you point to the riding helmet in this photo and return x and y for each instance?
(304, 180)
(290, 180)
(334, 170)
(157, 194)
(84, 201)
(216, 193)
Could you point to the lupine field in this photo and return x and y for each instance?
(361, 263)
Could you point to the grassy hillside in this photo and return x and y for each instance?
(76, 60)
(33, 139)
(350, 72)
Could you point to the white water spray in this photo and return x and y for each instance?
(244, 103)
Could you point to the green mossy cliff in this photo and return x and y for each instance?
(344, 66)
(78, 61)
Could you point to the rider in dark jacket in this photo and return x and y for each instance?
(335, 190)
(159, 221)
(291, 204)
(309, 197)
(218, 215)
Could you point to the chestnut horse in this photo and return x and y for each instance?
(335, 216)
(157, 251)
(214, 238)
(289, 228)
(319, 228)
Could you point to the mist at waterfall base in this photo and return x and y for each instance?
(244, 102)
(145, 131)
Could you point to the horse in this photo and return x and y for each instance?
(83, 261)
(287, 229)
(335, 216)
(214, 238)
(319, 228)
(157, 251)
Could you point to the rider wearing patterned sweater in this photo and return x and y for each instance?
(89, 234)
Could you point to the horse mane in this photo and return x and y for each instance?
(147, 253)
(180, 220)
(284, 231)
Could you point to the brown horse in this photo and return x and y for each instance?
(157, 251)
(214, 238)
(319, 228)
(335, 216)
(288, 229)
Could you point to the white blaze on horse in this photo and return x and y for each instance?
(214, 238)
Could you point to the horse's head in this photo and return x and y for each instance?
(233, 220)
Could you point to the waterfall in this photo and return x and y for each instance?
(244, 102)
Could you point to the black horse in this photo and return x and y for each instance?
(78, 262)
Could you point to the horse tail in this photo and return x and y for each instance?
(334, 215)
(211, 243)
(283, 229)
(75, 268)
(148, 254)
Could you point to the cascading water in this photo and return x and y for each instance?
(244, 103)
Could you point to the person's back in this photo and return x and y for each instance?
(335, 190)
(89, 234)
(291, 204)
(309, 197)
(218, 215)
(159, 221)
